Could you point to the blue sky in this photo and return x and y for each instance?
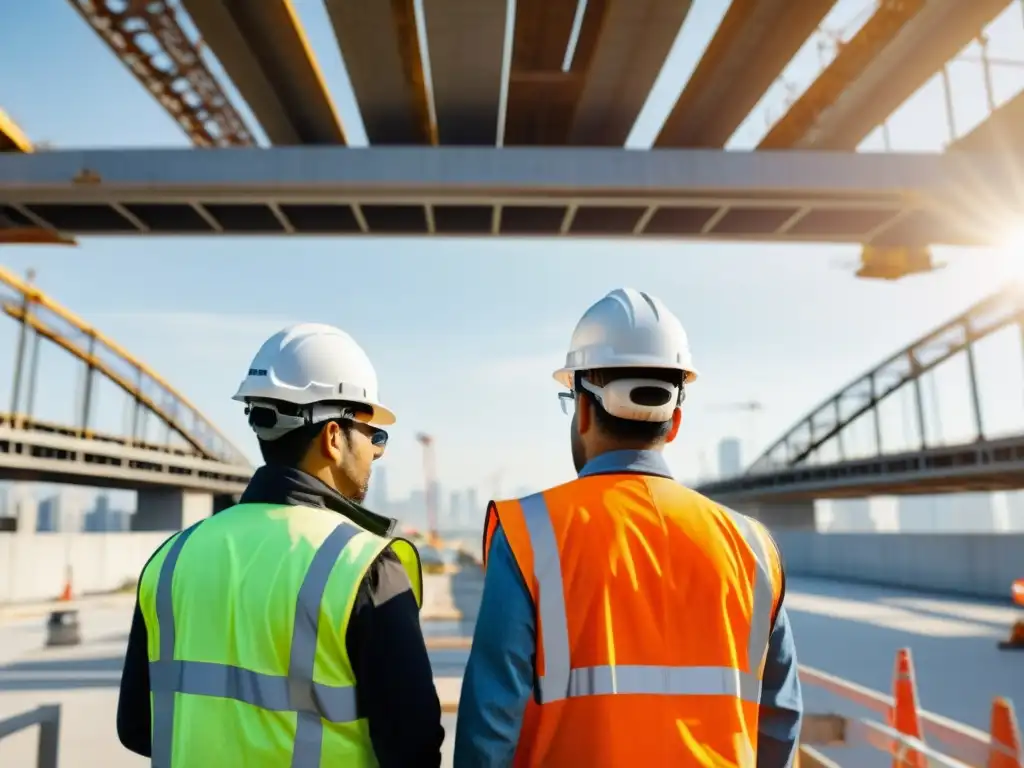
(465, 333)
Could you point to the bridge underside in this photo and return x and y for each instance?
(891, 200)
(29, 456)
(992, 465)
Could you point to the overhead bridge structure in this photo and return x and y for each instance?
(182, 466)
(528, 73)
(484, 117)
(815, 460)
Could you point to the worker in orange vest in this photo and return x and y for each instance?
(625, 619)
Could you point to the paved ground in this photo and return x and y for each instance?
(847, 630)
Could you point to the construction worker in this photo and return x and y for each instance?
(625, 619)
(284, 631)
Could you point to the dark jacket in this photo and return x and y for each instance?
(394, 682)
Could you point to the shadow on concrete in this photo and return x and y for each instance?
(467, 587)
(113, 637)
(866, 590)
(62, 674)
(467, 590)
(448, 662)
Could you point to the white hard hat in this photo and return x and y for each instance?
(311, 365)
(629, 329)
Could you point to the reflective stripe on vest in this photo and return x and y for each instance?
(295, 692)
(560, 680)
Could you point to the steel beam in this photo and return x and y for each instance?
(466, 40)
(753, 45)
(926, 42)
(264, 51)
(634, 39)
(616, 193)
(11, 137)
(542, 94)
(379, 44)
(1000, 132)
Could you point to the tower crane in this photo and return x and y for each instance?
(430, 479)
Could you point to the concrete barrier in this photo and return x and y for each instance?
(978, 565)
(33, 566)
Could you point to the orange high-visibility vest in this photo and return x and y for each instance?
(1018, 591)
(654, 610)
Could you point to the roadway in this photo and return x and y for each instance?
(851, 631)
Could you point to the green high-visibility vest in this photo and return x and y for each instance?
(246, 615)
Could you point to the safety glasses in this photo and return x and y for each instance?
(567, 401)
(378, 437)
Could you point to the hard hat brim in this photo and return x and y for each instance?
(382, 417)
(565, 376)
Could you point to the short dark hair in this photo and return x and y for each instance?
(628, 430)
(291, 448)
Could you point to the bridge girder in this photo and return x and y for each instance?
(912, 199)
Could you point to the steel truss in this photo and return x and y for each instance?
(150, 392)
(148, 39)
(863, 395)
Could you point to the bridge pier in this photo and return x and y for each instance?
(171, 509)
(789, 515)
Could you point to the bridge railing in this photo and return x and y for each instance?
(47, 717)
(905, 730)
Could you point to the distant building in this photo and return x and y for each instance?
(455, 509)
(379, 490)
(730, 461)
(64, 512)
(102, 518)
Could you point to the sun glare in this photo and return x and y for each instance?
(1011, 252)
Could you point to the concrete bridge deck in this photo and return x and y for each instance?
(851, 631)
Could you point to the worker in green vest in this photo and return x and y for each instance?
(284, 631)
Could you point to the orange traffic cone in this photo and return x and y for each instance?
(903, 716)
(1015, 642)
(1016, 639)
(1005, 749)
(65, 594)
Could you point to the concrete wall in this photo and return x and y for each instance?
(980, 565)
(32, 567)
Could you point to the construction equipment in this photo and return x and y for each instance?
(893, 263)
(1015, 642)
(430, 486)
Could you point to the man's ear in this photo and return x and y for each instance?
(330, 442)
(677, 419)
